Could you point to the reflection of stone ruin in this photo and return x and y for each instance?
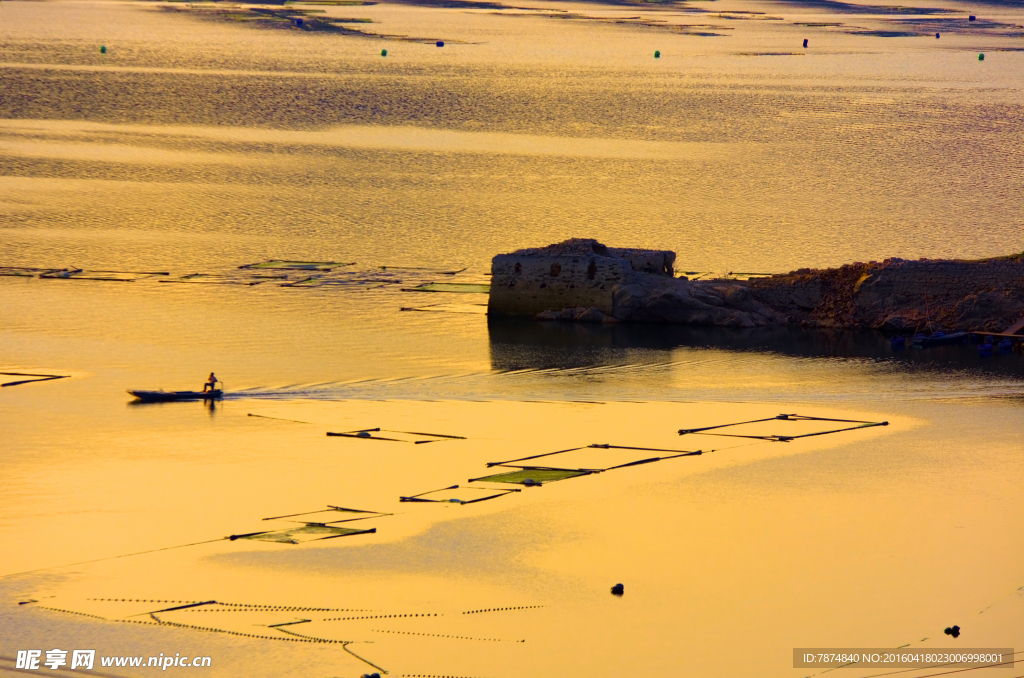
(583, 280)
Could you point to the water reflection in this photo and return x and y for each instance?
(524, 344)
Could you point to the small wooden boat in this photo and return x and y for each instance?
(171, 396)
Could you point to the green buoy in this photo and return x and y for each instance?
(383, 52)
(103, 49)
(981, 57)
(657, 54)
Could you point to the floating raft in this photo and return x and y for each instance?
(784, 438)
(24, 272)
(308, 532)
(535, 476)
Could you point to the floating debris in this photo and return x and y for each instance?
(618, 590)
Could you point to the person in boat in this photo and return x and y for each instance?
(211, 384)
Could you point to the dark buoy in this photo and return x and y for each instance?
(805, 43)
(298, 22)
(618, 590)
(972, 18)
(530, 482)
(898, 343)
(985, 350)
(657, 54)
(952, 631)
(440, 43)
(383, 52)
(103, 49)
(981, 57)
(936, 36)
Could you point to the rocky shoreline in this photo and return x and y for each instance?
(582, 280)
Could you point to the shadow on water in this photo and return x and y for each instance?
(524, 344)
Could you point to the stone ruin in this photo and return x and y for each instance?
(583, 280)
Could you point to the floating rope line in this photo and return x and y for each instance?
(505, 609)
(296, 639)
(126, 555)
(907, 645)
(142, 600)
(421, 615)
(328, 510)
(645, 449)
(264, 416)
(784, 417)
(364, 434)
(278, 626)
(37, 377)
(362, 659)
(438, 635)
(420, 497)
(80, 614)
(938, 666)
(369, 437)
(536, 456)
(172, 609)
(432, 435)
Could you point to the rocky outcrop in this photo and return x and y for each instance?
(899, 295)
(581, 280)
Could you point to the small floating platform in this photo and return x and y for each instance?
(172, 396)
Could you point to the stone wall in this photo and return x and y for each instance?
(583, 280)
(575, 273)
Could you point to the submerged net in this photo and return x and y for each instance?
(536, 475)
(297, 535)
